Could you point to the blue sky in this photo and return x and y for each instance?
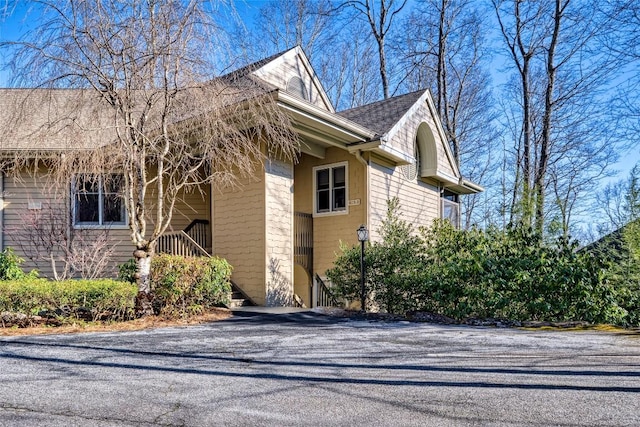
(19, 21)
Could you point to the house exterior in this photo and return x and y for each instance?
(283, 226)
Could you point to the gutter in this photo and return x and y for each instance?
(356, 132)
(367, 186)
(476, 188)
(1, 210)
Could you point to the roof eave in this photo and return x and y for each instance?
(465, 187)
(345, 131)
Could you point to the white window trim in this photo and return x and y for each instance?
(443, 203)
(345, 211)
(100, 224)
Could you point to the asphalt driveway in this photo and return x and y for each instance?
(309, 369)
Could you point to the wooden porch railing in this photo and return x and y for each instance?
(303, 246)
(188, 242)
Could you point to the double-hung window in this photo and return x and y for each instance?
(330, 187)
(97, 200)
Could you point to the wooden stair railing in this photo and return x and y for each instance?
(303, 245)
(198, 230)
(325, 297)
(188, 242)
(180, 243)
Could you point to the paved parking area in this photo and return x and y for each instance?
(308, 369)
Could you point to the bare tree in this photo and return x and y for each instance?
(380, 15)
(623, 41)
(46, 237)
(349, 72)
(305, 23)
(444, 49)
(145, 65)
(547, 43)
(620, 202)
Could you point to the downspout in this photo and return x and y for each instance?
(212, 218)
(367, 208)
(441, 201)
(1, 210)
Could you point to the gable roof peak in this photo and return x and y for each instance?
(250, 68)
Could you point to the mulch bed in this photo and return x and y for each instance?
(18, 324)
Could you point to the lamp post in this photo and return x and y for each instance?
(363, 236)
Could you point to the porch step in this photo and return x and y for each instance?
(239, 302)
(238, 298)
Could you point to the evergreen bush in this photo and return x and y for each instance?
(183, 286)
(98, 299)
(491, 273)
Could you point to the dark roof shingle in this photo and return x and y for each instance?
(382, 115)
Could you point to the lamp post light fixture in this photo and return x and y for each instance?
(363, 236)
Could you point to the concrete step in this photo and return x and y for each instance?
(238, 302)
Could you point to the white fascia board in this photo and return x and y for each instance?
(472, 186)
(394, 154)
(455, 184)
(401, 123)
(383, 150)
(441, 176)
(443, 137)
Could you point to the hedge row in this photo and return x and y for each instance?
(181, 286)
(104, 299)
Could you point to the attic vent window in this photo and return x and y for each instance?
(296, 87)
(411, 170)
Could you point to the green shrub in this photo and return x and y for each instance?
(127, 271)
(10, 266)
(185, 286)
(103, 299)
(493, 273)
(392, 266)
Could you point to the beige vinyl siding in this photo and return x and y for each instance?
(419, 201)
(280, 71)
(28, 189)
(404, 138)
(279, 232)
(239, 233)
(329, 230)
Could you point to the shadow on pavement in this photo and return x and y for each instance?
(261, 315)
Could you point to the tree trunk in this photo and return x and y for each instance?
(383, 68)
(144, 300)
(541, 173)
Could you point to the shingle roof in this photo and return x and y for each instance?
(65, 119)
(53, 119)
(58, 119)
(248, 69)
(382, 115)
